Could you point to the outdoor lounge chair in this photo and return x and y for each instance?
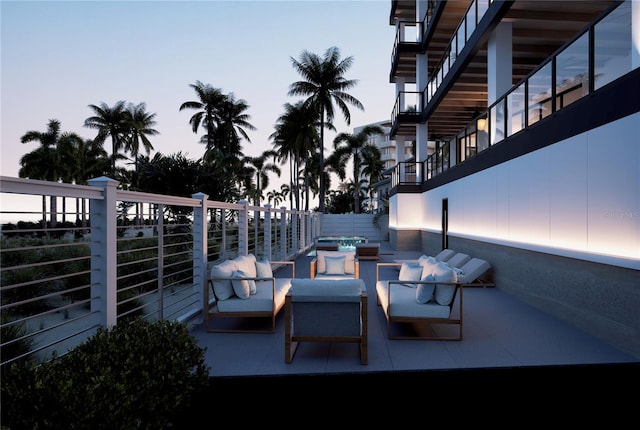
(334, 265)
(438, 318)
(320, 310)
(473, 272)
(458, 260)
(445, 254)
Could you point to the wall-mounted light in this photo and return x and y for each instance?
(481, 124)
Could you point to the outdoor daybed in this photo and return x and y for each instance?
(425, 297)
(244, 288)
(335, 265)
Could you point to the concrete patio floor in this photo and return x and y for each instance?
(502, 336)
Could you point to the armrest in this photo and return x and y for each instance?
(313, 268)
(378, 265)
(356, 266)
(288, 263)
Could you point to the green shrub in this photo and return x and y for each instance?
(134, 376)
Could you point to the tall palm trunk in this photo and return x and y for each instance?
(322, 183)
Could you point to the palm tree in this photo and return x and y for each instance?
(372, 168)
(285, 191)
(92, 162)
(325, 84)
(140, 125)
(260, 166)
(210, 101)
(110, 122)
(294, 139)
(44, 163)
(346, 145)
(231, 124)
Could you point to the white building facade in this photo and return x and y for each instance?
(526, 119)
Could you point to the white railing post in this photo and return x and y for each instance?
(303, 234)
(243, 228)
(104, 259)
(294, 230)
(267, 232)
(200, 249)
(223, 235)
(283, 232)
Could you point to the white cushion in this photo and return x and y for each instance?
(223, 288)
(443, 294)
(246, 263)
(428, 265)
(426, 259)
(410, 272)
(263, 269)
(424, 292)
(334, 265)
(241, 287)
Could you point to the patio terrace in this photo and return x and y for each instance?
(503, 337)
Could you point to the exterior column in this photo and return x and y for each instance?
(499, 62)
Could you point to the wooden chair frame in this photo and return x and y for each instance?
(292, 341)
(212, 313)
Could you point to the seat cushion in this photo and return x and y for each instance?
(322, 290)
(400, 301)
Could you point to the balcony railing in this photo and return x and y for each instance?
(406, 173)
(565, 77)
(78, 258)
(406, 109)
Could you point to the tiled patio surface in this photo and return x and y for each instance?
(502, 336)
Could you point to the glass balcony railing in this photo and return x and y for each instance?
(567, 76)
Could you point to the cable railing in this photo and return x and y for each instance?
(77, 258)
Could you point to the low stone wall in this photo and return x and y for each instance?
(600, 299)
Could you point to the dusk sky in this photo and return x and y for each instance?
(58, 57)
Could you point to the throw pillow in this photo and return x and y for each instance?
(410, 272)
(427, 259)
(246, 263)
(428, 264)
(241, 287)
(424, 292)
(263, 269)
(349, 263)
(223, 288)
(334, 265)
(443, 294)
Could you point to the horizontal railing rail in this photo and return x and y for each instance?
(76, 258)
